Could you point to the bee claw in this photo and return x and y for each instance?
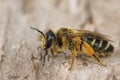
(104, 65)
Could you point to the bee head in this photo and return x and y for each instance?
(49, 38)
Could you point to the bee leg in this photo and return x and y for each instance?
(98, 60)
(89, 51)
(40, 56)
(102, 54)
(52, 51)
(45, 57)
(59, 51)
(73, 54)
(48, 58)
(73, 60)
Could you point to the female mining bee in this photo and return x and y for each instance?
(77, 41)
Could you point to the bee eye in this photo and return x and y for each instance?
(50, 37)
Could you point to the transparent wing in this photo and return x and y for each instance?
(86, 33)
(94, 34)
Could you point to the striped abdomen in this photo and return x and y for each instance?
(99, 45)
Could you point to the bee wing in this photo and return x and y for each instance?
(91, 34)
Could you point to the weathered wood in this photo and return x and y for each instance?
(19, 56)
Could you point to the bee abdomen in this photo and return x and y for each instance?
(110, 48)
(106, 47)
(94, 43)
(99, 45)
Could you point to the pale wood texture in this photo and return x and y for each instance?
(19, 57)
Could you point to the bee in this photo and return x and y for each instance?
(77, 41)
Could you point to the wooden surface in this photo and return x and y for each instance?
(19, 57)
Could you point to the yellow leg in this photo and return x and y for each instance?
(59, 51)
(52, 51)
(72, 63)
(98, 60)
(89, 51)
(102, 54)
(73, 54)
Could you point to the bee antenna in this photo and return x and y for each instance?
(38, 31)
